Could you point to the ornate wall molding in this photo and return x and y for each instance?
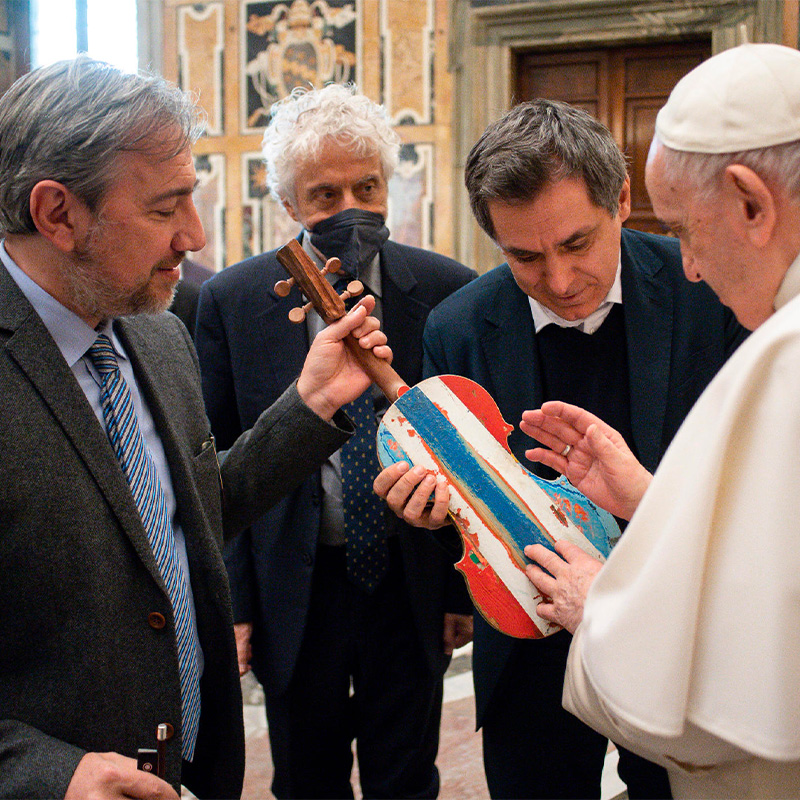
(407, 60)
(411, 199)
(265, 223)
(243, 55)
(210, 199)
(294, 43)
(201, 43)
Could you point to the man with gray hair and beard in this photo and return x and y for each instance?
(329, 591)
(687, 647)
(584, 311)
(115, 618)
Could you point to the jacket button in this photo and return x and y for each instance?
(157, 621)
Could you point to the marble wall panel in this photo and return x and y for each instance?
(265, 223)
(243, 55)
(411, 197)
(407, 59)
(201, 41)
(209, 198)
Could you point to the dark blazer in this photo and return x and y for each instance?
(187, 292)
(678, 336)
(184, 303)
(81, 667)
(249, 352)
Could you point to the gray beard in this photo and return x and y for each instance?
(94, 296)
(97, 299)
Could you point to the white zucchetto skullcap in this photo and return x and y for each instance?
(744, 98)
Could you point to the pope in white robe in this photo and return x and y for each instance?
(687, 649)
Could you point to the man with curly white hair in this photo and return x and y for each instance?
(348, 616)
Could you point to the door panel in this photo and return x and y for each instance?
(640, 122)
(577, 78)
(623, 87)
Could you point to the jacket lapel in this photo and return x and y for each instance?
(285, 343)
(648, 305)
(279, 346)
(507, 342)
(403, 315)
(164, 401)
(32, 348)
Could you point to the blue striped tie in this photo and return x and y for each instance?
(137, 464)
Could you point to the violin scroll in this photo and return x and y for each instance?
(332, 266)
(330, 306)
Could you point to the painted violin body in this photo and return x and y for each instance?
(452, 427)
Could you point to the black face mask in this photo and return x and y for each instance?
(353, 236)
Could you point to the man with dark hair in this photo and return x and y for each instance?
(584, 311)
(319, 612)
(115, 606)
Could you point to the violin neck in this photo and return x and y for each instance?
(381, 372)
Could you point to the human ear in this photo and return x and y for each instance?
(625, 200)
(59, 216)
(289, 209)
(755, 205)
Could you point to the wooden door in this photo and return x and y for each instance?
(623, 87)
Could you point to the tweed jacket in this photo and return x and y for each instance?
(84, 664)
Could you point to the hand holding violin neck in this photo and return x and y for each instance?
(330, 306)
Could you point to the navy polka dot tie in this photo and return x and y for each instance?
(364, 527)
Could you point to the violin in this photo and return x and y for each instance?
(452, 426)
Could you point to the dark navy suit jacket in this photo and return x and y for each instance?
(678, 336)
(249, 352)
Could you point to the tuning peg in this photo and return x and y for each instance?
(332, 265)
(354, 288)
(282, 288)
(298, 313)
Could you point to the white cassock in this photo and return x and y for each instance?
(689, 649)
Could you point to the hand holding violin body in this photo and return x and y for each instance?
(563, 578)
(407, 491)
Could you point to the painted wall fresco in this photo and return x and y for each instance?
(286, 45)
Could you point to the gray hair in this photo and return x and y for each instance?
(779, 164)
(539, 143)
(70, 121)
(301, 122)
